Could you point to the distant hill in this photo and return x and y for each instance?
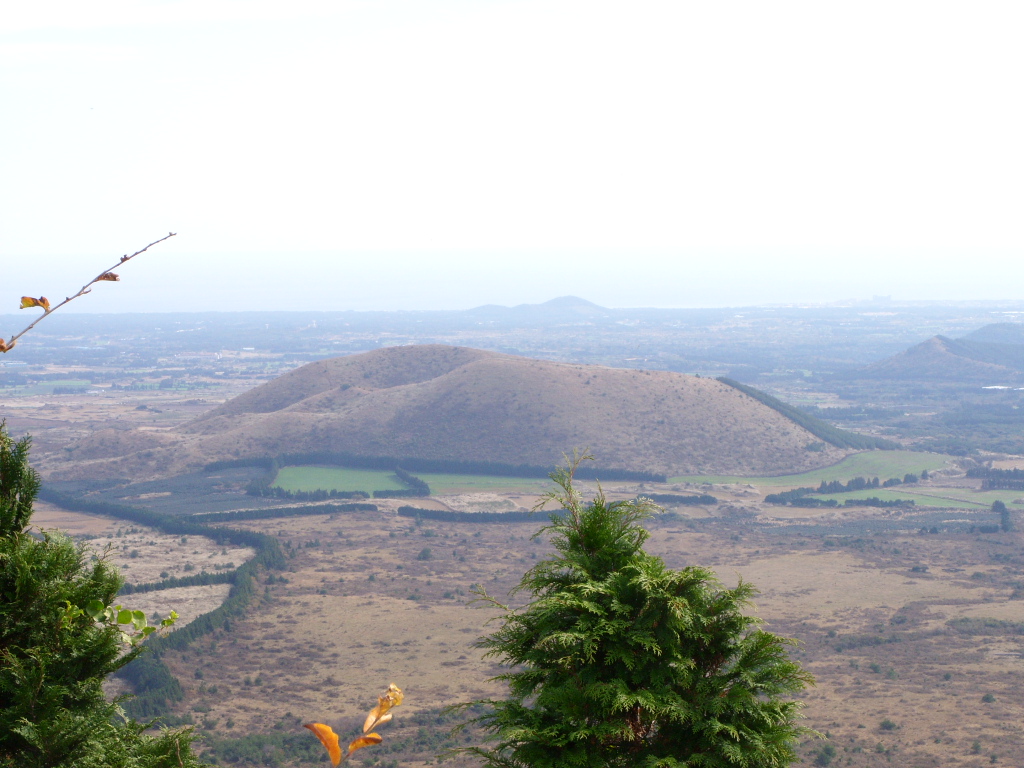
(564, 309)
(998, 333)
(441, 402)
(993, 354)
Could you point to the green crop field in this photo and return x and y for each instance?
(984, 498)
(337, 479)
(880, 464)
(369, 480)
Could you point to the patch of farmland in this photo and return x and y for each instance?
(881, 464)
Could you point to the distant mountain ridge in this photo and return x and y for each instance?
(455, 403)
(563, 308)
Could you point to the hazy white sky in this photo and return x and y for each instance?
(359, 154)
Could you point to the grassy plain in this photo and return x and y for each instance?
(361, 605)
(337, 479)
(881, 464)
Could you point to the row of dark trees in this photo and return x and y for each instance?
(449, 516)
(156, 688)
(998, 479)
(266, 514)
(798, 496)
(681, 499)
(840, 438)
(801, 497)
(862, 483)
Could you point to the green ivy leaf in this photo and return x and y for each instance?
(95, 609)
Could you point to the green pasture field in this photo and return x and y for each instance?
(880, 464)
(369, 480)
(984, 498)
(337, 479)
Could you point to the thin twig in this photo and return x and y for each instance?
(102, 276)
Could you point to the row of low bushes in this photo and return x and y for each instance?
(447, 516)
(408, 493)
(264, 514)
(873, 501)
(264, 489)
(678, 498)
(416, 485)
(990, 473)
(998, 479)
(801, 497)
(197, 580)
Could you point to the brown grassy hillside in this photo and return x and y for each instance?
(445, 402)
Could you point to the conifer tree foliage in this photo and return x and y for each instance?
(54, 656)
(618, 660)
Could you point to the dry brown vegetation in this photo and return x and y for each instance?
(320, 645)
(146, 555)
(362, 606)
(71, 433)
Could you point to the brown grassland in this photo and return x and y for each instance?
(362, 604)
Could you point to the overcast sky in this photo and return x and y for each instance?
(361, 154)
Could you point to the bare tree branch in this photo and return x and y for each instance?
(105, 276)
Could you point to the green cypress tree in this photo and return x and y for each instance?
(1005, 521)
(54, 656)
(619, 661)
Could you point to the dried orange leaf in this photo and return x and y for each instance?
(4, 346)
(371, 719)
(27, 302)
(108, 276)
(395, 694)
(392, 697)
(329, 739)
(364, 741)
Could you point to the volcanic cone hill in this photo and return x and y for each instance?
(993, 354)
(441, 402)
